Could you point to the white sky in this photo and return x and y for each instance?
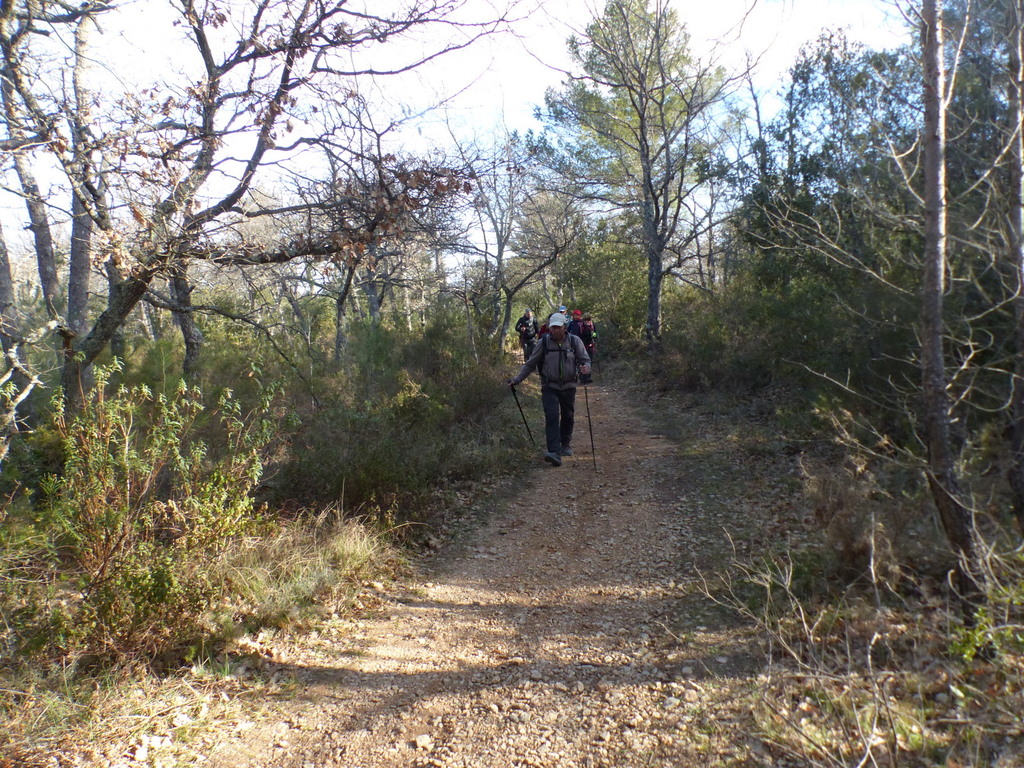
(506, 78)
(502, 78)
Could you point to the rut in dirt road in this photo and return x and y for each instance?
(568, 633)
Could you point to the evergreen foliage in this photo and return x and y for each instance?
(119, 539)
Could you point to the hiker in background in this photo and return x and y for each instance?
(560, 359)
(587, 332)
(574, 324)
(528, 330)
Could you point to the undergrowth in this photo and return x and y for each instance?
(869, 661)
(146, 555)
(883, 674)
(154, 544)
(299, 572)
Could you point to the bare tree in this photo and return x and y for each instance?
(550, 226)
(514, 226)
(1015, 46)
(501, 186)
(181, 159)
(941, 457)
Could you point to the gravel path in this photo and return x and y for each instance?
(569, 629)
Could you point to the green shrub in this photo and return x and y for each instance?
(125, 529)
(410, 412)
(33, 456)
(404, 445)
(999, 625)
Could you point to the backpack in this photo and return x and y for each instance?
(527, 329)
(568, 351)
(587, 332)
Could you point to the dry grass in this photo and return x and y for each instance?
(873, 674)
(300, 573)
(868, 661)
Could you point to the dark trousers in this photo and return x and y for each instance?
(559, 416)
(528, 347)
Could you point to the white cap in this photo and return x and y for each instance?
(557, 319)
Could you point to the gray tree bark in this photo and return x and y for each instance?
(340, 335)
(941, 457)
(39, 225)
(1016, 131)
(80, 253)
(191, 335)
(8, 323)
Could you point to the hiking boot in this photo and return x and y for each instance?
(553, 458)
(566, 450)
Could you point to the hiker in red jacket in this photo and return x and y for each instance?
(583, 326)
(574, 324)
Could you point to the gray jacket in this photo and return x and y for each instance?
(557, 363)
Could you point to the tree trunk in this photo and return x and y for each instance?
(340, 337)
(654, 245)
(121, 300)
(39, 224)
(506, 318)
(373, 299)
(499, 308)
(150, 324)
(79, 268)
(8, 323)
(181, 291)
(470, 336)
(407, 306)
(80, 256)
(654, 278)
(117, 342)
(1016, 132)
(941, 469)
(303, 321)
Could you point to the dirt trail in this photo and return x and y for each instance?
(569, 630)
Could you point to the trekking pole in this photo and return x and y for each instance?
(525, 422)
(590, 426)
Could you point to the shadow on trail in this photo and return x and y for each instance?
(577, 589)
(550, 641)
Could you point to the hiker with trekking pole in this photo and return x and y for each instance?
(561, 359)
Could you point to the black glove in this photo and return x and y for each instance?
(586, 378)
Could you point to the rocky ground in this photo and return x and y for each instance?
(571, 626)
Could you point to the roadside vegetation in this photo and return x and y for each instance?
(150, 537)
